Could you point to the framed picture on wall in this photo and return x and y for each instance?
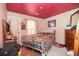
(23, 27)
(52, 23)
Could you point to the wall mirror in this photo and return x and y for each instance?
(6, 28)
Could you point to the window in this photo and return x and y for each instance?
(31, 27)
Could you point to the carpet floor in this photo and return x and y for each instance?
(56, 51)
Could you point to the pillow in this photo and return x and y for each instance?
(9, 37)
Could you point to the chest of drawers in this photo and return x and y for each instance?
(69, 40)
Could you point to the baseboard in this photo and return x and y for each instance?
(59, 44)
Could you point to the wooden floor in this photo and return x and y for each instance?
(25, 51)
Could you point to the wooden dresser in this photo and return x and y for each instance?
(69, 40)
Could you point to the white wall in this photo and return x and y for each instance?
(62, 20)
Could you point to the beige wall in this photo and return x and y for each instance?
(41, 25)
(75, 19)
(62, 20)
(15, 27)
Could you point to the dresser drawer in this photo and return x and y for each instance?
(70, 36)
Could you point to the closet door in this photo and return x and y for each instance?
(15, 27)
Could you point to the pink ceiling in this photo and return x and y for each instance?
(41, 10)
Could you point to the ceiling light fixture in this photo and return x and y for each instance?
(36, 13)
(41, 7)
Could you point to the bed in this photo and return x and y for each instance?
(40, 42)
